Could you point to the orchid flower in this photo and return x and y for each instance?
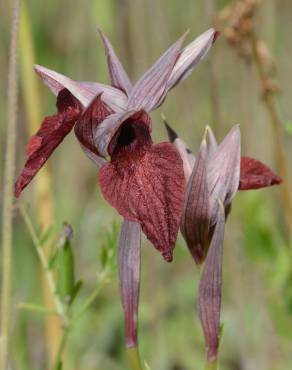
(143, 181)
(213, 178)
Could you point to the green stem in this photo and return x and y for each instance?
(134, 358)
(8, 185)
(61, 310)
(92, 297)
(61, 349)
(36, 308)
(212, 365)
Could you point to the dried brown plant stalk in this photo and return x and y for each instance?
(268, 98)
(239, 29)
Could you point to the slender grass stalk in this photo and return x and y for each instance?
(211, 6)
(45, 204)
(275, 122)
(124, 32)
(92, 297)
(44, 262)
(35, 308)
(61, 349)
(61, 310)
(9, 170)
(134, 358)
(33, 111)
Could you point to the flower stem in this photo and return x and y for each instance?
(212, 365)
(134, 358)
(8, 185)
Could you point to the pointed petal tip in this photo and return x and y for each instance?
(206, 132)
(39, 69)
(277, 180)
(208, 128)
(100, 32)
(234, 131)
(168, 257)
(17, 189)
(37, 66)
(42, 70)
(118, 75)
(184, 35)
(216, 35)
(172, 135)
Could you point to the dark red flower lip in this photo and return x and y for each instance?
(256, 175)
(51, 133)
(146, 184)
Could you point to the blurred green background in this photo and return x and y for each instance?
(257, 287)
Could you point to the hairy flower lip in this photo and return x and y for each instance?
(147, 186)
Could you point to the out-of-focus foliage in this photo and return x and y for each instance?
(257, 302)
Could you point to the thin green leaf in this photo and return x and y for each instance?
(75, 291)
(46, 236)
(52, 262)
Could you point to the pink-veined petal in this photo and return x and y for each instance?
(149, 90)
(224, 171)
(195, 220)
(147, 185)
(129, 274)
(83, 91)
(118, 76)
(190, 56)
(213, 145)
(210, 289)
(52, 132)
(95, 158)
(255, 175)
(86, 126)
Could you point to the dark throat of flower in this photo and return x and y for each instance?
(131, 140)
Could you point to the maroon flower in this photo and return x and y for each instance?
(143, 181)
(213, 180)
